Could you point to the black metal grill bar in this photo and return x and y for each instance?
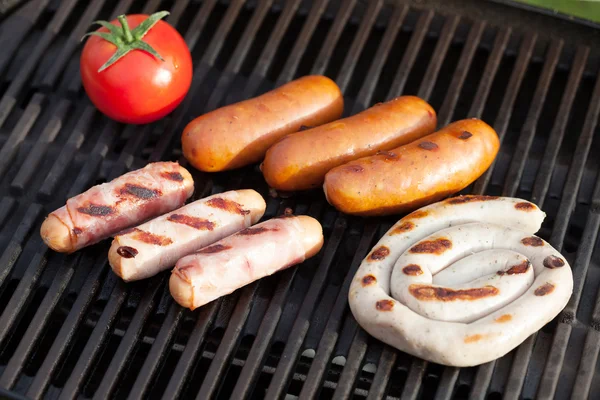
(30, 166)
(587, 365)
(177, 11)
(92, 347)
(460, 73)
(414, 379)
(573, 182)
(410, 55)
(191, 350)
(524, 353)
(364, 29)
(72, 42)
(15, 246)
(352, 366)
(542, 182)
(339, 23)
(8, 151)
(446, 386)
(35, 329)
(506, 108)
(365, 94)
(382, 374)
(517, 165)
(68, 151)
(6, 207)
(441, 48)
(9, 98)
(489, 73)
(157, 353)
(21, 295)
(128, 342)
(67, 332)
(239, 55)
(268, 53)
(19, 25)
(334, 322)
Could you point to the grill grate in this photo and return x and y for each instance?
(69, 328)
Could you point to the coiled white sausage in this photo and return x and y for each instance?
(469, 281)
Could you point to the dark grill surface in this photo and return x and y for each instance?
(69, 328)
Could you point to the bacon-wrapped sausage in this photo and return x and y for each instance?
(106, 209)
(461, 282)
(156, 245)
(244, 257)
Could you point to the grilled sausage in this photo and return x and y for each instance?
(106, 209)
(152, 247)
(244, 257)
(300, 160)
(239, 134)
(416, 174)
(461, 282)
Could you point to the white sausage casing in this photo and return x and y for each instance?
(485, 311)
(156, 245)
(244, 257)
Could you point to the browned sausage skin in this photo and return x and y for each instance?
(300, 160)
(416, 174)
(239, 134)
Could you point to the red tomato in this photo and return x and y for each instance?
(138, 88)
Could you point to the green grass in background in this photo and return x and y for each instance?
(586, 9)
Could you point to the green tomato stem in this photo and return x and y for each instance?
(126, 31)
(126, 39)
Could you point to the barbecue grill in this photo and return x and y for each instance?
(69, 328)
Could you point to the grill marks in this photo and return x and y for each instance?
(412, 270)
(227, 205)
(503, 318)
(545, 289)
(255, 231)
(384, 305)
(379, 254)
(96, 210)
(140, 192)
(470, 199)
(553, 262)
(430, 146)
(172, 176)
(465, 135)
(194, 222)
(215, 248)
(532, 241)
(368, 280)
(525, 206)
(431, 293)
(150, 238)
(388, 156)
(517, 269)
(417, 214)
(354, 168)
(437, 246)
(403, 228)
(127, 252)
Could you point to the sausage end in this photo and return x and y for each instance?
(56, 235)
(253, 202)
(312, 239)
(181, 291)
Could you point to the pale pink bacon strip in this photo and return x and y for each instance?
(240, 259)
(156, 245)
(134, 197)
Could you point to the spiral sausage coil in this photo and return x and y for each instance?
(461, 282)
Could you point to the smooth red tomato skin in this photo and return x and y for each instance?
(139, 88)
